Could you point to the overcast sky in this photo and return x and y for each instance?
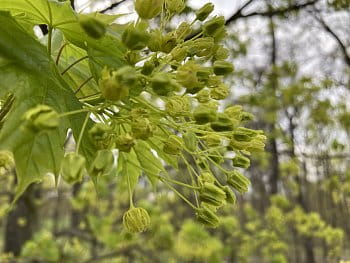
(223, 7)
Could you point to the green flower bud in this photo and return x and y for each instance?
(256, 146)
(207, 217)
(230, 195)
(6, 159)
(222, 67)
(142, 128)
(175, 6)
(178, 106)
(156, 40)
(132, 57)
(162, 84)
(244, 134)
(169, 42)
(220, 34)
(147, 68)
(191, 141)
(219, 93)
(111, 89)
(136, 220)
(238, 181)
(103, 163)
(148, 9)
(212, 194)
(124, 142)
(204, 114)
(220, 52)
(214, 81)
(115, 85)
(187, 75)
(206, 177)
(203, 96)
(41, 117)
(93, 27)
(246, 116)
(241, 161)
(183, 30)
(135, 37)
(139, 113)
(72, 168)
(173, 145)
(238, 145)
(204, 11)
(222, 123)
(204, 75)
(213, 26)
(102, 136)
(212, 140)
(202, 47)
(234, 113)
(179, 53)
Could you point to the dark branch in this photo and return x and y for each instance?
(112, 6)
(269, 13)
(336, 38)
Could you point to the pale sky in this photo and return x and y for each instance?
(222, 7)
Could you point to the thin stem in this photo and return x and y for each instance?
(89, 97)
(180, 195)
(49, 40)
(60, 52)
(82, 132)
(73, 112)
(73, 64)
(130, 193)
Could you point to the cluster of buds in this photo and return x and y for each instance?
(166, 97)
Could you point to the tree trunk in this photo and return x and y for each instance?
(25, 210)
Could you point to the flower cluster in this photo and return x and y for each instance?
(168, 95)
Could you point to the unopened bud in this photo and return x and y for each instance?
(72, 168)
(136, 220)
(219, 93)
(124, 142)
(173, 145)
(93, 27)
(222, 123)
(191, 141)
(203, 96)
(101, 134)
(103, 163)
(214, 25)
(175, 6)
(212, 140)
(207, 217)
(203, 114)
(212, 194)
(41, 117)
(222, 67)
(135, 37)
(162, 84)
(142, 128)
(241, 161)
(148, 9)
(238, 181)
(230, 195)
(204, 11)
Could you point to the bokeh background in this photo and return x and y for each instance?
(292, 71)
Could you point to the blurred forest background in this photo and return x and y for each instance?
(292, 71)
